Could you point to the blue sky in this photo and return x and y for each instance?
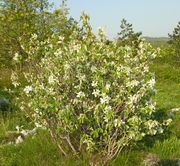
(155, 18)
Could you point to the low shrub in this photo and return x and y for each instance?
(92, 95)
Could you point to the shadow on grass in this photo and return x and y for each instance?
(7, 103)
(160, 114)
(168, 163)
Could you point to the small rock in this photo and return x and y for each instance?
(175, 110)
(151, 159)
(178, 162)
(19, 140)
(4, 104)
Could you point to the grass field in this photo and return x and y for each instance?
(161, 150)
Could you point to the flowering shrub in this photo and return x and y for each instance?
(91, 95)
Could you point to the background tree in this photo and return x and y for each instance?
(175, 40)
(19, 20)
(127, 36)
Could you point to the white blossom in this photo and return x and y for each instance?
(67, 66)
(61, 38)
(16, 57)
(34, 36)
(14, 79)
(104, 99)
(132, 135)
(96, 92)
(168, 121)
(94, 83)
(80, 94)
(152, 82)
(51, 79)
(58, 52)
(152, 124)
(93, 69)
(132, 99)
(108, 86)
(132, 83)
(38, 125)
(28, 89)
(108, 108)
(81, 77)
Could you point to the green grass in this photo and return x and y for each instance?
(164, 150)
(5, 80)
(36, 151)
(167, 149)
